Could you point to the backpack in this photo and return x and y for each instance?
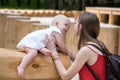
(112, 64)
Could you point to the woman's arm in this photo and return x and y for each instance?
(78, 63)
(75, 67)
(62, 47)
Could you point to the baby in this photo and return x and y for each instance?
(35, 41)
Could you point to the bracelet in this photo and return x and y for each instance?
(56, 58)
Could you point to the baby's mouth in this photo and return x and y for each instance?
(64, 32)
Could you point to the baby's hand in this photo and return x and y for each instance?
(45, 52)
(50, 44)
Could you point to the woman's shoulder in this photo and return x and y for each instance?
(88, 49)
(92, 49)
(84, 50)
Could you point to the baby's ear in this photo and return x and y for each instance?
(56, 23)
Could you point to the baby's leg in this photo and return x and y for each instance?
(31, 54)
(45, 51)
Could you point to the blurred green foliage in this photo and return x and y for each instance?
(57, 4)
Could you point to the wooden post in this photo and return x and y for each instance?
(41, 68)
(111, 18)
(109, 35)
(10, 30)
(114, 16)
(104, 14)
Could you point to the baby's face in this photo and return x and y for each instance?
(64, 25)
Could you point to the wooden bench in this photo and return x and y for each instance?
(41, 68)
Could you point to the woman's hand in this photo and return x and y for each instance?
(50, 44)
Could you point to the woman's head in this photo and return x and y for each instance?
(88, 27)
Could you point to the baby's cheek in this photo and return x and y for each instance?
(55, 41)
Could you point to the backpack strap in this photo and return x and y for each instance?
(89, 67)
(92, 49)
(95, 47)
(92, 72)
(103, 49)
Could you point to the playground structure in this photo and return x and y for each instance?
(15, 24)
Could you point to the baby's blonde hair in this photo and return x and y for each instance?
(59, 18)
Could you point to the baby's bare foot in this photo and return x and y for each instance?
(20, 72)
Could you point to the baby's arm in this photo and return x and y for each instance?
(61, 46)
(59, 42)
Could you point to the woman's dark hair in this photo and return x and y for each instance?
(90, 28)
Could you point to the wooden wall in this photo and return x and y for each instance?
(110, 17)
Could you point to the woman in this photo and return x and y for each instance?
(87, 26)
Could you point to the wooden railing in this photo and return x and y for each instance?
(106, 15)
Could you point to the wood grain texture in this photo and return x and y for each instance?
(41, 68)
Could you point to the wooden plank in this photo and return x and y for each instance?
(92, 11)
(104, 11)
(10, 30)
(47, 13)
(69, 14)
(41, 68)
(76, 14)
(116, 12)
(2, 27)
(114, 19)
(38, 26)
